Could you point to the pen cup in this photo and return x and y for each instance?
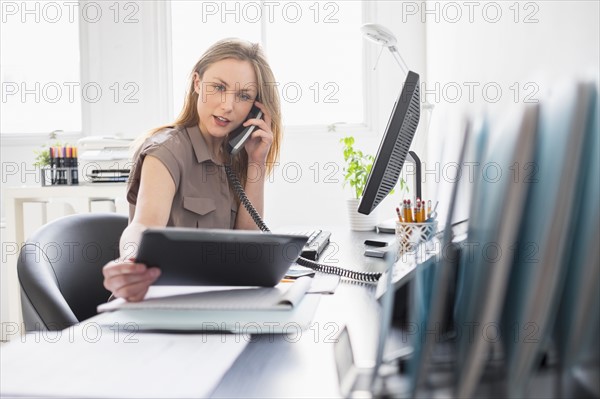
(409, 235)
(47, 176)
(59, 176)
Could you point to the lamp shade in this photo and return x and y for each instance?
(383, 36)
(378, 34)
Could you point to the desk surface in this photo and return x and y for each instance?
(277, 366)
(304, 365)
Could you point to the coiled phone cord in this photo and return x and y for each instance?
(319, 267)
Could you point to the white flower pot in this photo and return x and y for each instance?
(358, 221)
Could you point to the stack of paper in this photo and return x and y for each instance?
(254, 310)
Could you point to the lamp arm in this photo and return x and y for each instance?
(399, 59)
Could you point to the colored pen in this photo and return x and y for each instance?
(51, 151)
(62, 179)
(73, 165)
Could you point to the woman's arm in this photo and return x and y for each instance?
(153, 205)
(123, 277)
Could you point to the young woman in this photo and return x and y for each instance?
(178, 177)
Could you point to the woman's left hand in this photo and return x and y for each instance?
(260, 141)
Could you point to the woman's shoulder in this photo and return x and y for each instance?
(173, 138)
(169, 136)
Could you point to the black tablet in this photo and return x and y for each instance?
(189, 256)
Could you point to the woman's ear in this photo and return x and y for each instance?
(196, 78)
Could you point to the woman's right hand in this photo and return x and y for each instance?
(129, 280)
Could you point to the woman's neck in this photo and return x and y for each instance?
(215, 147)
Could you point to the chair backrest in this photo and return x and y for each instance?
(60, 269)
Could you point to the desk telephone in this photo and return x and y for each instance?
(240, 135)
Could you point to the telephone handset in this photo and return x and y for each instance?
(242, 133)
(319, 267)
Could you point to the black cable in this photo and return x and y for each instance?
(319, 267)
(239, 191)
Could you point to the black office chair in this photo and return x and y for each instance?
(60, 269)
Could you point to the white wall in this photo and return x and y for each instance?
(550, 40)
(522, 53)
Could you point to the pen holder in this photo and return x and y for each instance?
(59, 176)
(409, 235)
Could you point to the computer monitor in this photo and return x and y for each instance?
(497, 211)
(433, 280)
(537, 277)
(394, 146)
(578, 320)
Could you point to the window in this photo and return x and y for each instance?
(40, 74)
(314, 48)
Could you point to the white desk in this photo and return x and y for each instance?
(14, 198)
(299, 365)
(133, 363)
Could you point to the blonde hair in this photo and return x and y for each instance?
(243, 51)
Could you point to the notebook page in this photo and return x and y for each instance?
(283, 296)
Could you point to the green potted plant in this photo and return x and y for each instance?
(42, 157)
(356, 171)
(357, 168)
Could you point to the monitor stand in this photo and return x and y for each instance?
(415, 160)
